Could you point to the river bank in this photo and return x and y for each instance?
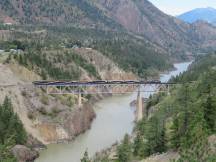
(114, 119)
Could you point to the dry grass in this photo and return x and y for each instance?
(23, 73)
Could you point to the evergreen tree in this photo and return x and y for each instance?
(209, 110)
(124, 150)
(85, 157)
(197, 148)
(162, 140)
(11, 131)
(175, 136)
(138, 145)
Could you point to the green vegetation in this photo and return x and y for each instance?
(124, 150)
(52, 63)
(11, 131)
(182, 121)
(128, 52)
(78, 60)
(7, 45)
(134, 56)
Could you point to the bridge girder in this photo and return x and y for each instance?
(104, 88)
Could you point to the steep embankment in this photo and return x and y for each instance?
(28, 104)
(54, 118)
(183, 121)
(11, 86)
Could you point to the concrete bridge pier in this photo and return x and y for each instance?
(80, 100)
(139, 107)
(168, 90)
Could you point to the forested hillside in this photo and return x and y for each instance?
(126, 51)
(70, 12)
(139, 18)
(184, 121)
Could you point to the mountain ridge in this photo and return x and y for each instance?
(206, 14)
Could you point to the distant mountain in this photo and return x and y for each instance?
(205, 14)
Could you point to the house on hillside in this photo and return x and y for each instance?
(8, 21)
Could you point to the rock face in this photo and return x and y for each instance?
(80, 121)
(24, 154)
(72, 125)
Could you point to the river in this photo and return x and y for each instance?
(114, 119)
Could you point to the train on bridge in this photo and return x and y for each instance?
(97, 82)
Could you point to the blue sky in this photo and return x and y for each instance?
(176, 7)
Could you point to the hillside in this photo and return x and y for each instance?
(180, 126)
(48, 118)
(143, 18)
(138, 18)
(40, 112)
(49, 12)
(205, 14)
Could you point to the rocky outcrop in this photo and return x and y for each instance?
(65, 124)
(80, 121)
(35, 143)
(70, 125)
(24, 154)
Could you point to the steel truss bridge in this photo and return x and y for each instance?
(102, 86)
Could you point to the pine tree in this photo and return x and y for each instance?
(85, 157)
(138, 145)
(124, 150)
(155, 137)
(11, 131)
(209, 110)
(197, 144)
(175, 136)
(162, 140)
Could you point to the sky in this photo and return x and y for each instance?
(177, 7)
